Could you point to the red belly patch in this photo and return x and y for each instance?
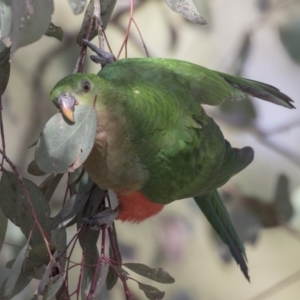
(136, 207)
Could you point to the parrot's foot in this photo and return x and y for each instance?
(103, 58)
(105, 217)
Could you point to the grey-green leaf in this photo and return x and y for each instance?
(53, 288)
(5, 19)
(69, 211)
(15, 206)
(156, 274)
(3, 227)
(33, 169)
(4, 67)
(282, 199)
(30, 21)
(55, 31)
(49, 185)
(289, 33)
(151, 292)
(63, 147)
(77, 6)
(187, 9)
(15, 272)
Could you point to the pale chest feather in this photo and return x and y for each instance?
(113, 162)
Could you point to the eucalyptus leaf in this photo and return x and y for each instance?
(63, 147)
(5, 19)
(52, 288)
(240, 113)
(33, 169)
(84, 183)
(112, 276)
(71, 208)
(74, 176)
(289, 33)
(187, 9)
(4, 272)
(282, 199)
(30, 21)
(3, 227)
(156, 274)
(49, 185)
(4, 68)
(15, 206)
(55, 31)
(15, 272)
(151, 292)
(59, 238)
(77, 6)
(88, 241)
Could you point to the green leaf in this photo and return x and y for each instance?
(5, 18)
(88, 241)
(151, 292)
(63, 147)
(15, 272)
(156, 274)
(71, 208)
(107, 7)
(34, 170)
(30, 21)
(59, 238)
(289, 33)
(4, 67)
(282, 199)
(55, 31)
(14, 205)
(77, 6)
(74, 176)
(3, 227)
(49, 185)
(4, 272)
(53, 288)
(186, 9)
(238, 113)
(112, 276)
(84, 183)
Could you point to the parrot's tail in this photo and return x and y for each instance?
(217, 215)
(259, 90)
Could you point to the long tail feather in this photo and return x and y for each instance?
(259, 90)
(217, 215)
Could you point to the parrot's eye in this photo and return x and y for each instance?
(86, 86)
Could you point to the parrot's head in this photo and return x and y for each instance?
(76, 89)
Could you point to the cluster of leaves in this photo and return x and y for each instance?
(60, 151)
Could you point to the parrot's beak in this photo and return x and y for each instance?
(66, 103)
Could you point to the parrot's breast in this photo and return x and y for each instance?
(113, 163)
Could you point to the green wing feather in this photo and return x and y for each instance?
(208, 86)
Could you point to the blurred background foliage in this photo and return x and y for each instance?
(258, 39)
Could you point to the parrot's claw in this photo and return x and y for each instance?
(103, 58)
(105, 217)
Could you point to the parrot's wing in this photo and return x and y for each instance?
(207, 86)
(214, 210)
(235, 160)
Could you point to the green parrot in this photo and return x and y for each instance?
(154, 141)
